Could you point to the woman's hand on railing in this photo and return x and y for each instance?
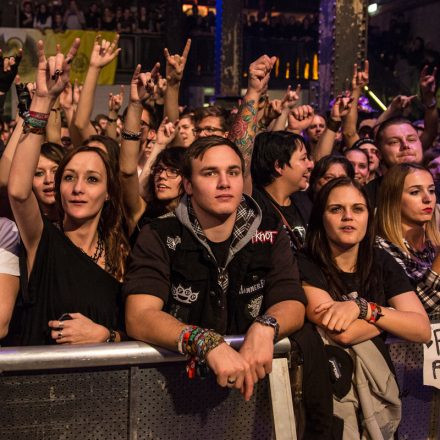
(78, 330)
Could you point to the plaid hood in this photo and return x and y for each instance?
(246, 224)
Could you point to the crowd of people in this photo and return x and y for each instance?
(146, 17)
(177, 226)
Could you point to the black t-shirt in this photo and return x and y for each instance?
(296, 214)
(220, 250)
(392, 281)
(64, 280)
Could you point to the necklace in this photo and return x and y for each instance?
(98, 251)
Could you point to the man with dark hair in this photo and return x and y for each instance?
(214, 264)
(280, 170)
(212, 120)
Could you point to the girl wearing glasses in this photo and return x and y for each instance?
(158, 188)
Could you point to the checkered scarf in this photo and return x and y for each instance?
(243, 221)
(245, 218)
(417, 266)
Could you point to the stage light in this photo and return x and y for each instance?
(372, 9)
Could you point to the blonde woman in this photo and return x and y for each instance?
(407, 229)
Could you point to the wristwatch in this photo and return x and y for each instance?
(271, 322)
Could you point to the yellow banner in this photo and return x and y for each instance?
(12, 39)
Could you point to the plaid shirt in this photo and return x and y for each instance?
(417, 265)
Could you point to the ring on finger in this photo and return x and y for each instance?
(231, 380)
(60, 335)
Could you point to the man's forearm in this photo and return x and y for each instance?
(171, 103)
(155, 327)
(431, 124)
(290, 316)
(244, 128)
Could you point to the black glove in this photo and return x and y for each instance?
(6, 78)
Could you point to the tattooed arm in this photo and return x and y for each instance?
(244, 128)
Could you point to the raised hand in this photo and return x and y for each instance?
(115, 101)
(175, 64)
(159, 90)
(166, 132)
(427, 85)
(291, 97)
(104, 52)
(400, 103)
(66, 97)
(8, 70)
(53, 73)
(77, 89)
(360, 77)
(300, 118)
(341, 106)
(259, 74)
(142, 84)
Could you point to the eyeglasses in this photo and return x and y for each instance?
(172, 173)
(208, 130)
(145, 124)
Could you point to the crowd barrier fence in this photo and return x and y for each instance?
(132, 390)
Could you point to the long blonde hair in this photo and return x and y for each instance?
(389, 212)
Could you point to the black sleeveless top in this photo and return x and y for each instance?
(63, 280)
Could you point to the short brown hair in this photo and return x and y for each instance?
(398, 120)
(200, 146)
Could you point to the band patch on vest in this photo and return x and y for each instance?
(264, 237)
(254, 306)
(173, 242)
(252, 289)
(186, 296)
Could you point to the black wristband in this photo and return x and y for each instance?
(333, 125)
(130, 135)
(362, 303)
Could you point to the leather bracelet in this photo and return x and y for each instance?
(333, 125)
(130, 135)
(432, 104)
(362, 303)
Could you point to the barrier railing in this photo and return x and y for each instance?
(132, 390)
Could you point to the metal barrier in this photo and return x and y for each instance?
(132, 390)
(420, 403)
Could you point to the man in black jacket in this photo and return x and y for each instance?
(215, 264)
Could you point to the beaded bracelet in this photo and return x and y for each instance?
(196, 343)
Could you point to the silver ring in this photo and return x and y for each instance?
(231, 381)
(60, 335)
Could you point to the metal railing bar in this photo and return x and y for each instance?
(99, 355)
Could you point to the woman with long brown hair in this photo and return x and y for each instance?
(355, 293)
(75, 267)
